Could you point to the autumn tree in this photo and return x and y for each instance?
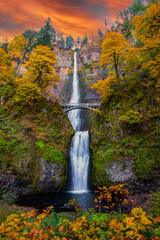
(114, 47)
(147, 30)
(106, 87)
(6, 76)
(17, 46)
(27, 94)
(6, 67)
(137, 8)
(41, 67)
(17, 50)
(4, 45)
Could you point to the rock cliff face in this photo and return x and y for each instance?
(90, 70)
(34, 146)
(64, 67)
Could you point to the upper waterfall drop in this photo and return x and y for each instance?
(79, 151)
(74, 115)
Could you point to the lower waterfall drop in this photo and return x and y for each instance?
(79, 152)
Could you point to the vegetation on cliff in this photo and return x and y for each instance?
(127, 128)
(33, 131)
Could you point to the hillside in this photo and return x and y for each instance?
(34, 142)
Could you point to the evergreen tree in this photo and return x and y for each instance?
(4, 45)
(78, 40)
(60, 41)
(85, 39)
(47, 35)
(69, 42)
(100, 34)
(137, 6)
(30, 36)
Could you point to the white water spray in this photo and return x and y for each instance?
(79, 152)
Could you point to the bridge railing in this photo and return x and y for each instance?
(70, 106)
(80, 104)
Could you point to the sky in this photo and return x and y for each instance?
(71, 17)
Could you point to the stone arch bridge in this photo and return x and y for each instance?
(71, 106)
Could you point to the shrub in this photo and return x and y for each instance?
(9, 198)
(131, 118)
(110, 196)
(27, 93)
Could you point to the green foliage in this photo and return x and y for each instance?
(46, 36)
(9, 198)
(147, 162)
(100, 34)
(76, 206)
(126, 28)
(50, 153)
(85, 40)
(155, 202)
(6, 146)
(69, 42)
(30, 36)
(87, 65)
(60, 42)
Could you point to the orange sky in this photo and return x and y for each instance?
(71, 17)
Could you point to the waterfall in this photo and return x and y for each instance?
(79, 152)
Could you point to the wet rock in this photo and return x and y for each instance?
(50, 178)
(68, 207)
(120, 171)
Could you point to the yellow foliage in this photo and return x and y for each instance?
(17, 46)
(106, 87)
(114, 47)
(147, 30)
(41, 67)
(6, 67)
(27, 93)
(133, 226)
(133, 60)
(147, 26)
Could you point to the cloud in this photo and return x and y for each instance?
(73, 17)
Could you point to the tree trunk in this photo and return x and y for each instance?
(20, 65)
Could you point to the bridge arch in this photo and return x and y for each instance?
(72, 106)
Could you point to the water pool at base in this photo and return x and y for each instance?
(58, 200)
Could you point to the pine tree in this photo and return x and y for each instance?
(69, 42)
(46, 36)
(100, 34)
